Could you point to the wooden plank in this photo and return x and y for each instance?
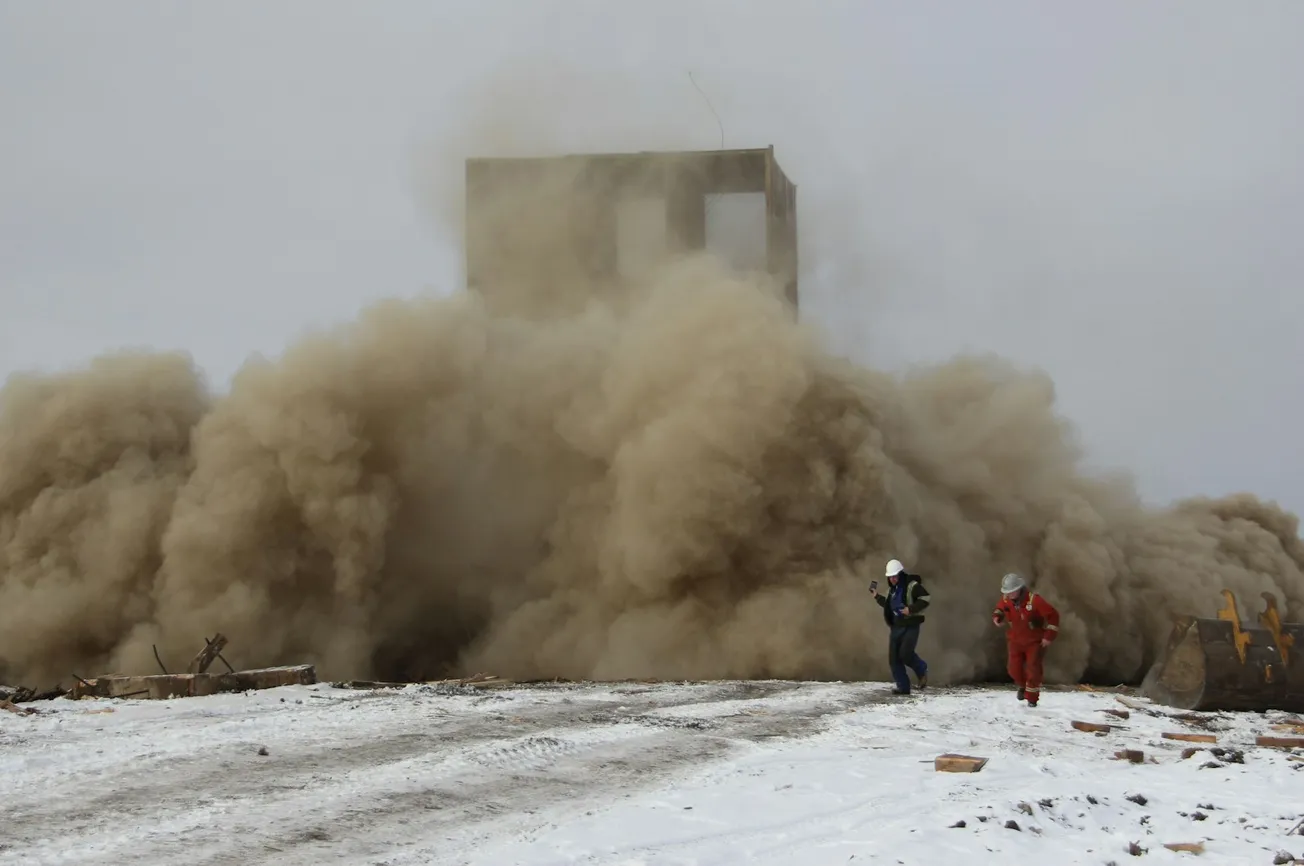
(1092, 727)
(1118, 714)
(950, 763)
(1187, 847)
(1132, 756)
(1190, 738)
(1280, 742)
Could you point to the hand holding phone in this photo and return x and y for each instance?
(873, 586)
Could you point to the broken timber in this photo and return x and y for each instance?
(958, 764)
(163, 686)
(1217, 663)
(212, 649)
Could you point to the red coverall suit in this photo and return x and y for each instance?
(1034, 623)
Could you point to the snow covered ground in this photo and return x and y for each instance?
(626, 774)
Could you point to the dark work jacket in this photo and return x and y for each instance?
(909, 589)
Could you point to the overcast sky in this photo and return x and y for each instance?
(1108, 190)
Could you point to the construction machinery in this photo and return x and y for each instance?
(1218, 663)
(549, 230)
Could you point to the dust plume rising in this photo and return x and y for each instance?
(680, 484)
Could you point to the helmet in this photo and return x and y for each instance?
(1011, 583)
(894, 568)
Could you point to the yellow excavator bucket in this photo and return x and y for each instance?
(1217, 663)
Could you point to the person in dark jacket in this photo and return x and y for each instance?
(903, 609)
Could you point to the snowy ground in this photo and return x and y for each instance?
(719, 773)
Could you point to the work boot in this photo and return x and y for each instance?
(1022, 694)
(923, 680)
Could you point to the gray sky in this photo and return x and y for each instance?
(1108, 190)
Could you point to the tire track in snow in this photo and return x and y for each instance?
(439, 761)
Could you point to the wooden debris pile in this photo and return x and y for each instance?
(196, 681)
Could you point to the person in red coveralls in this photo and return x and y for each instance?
(1034, 623)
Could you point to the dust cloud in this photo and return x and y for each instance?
(681, 485)
(552, 477)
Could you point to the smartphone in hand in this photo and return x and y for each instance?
(873, 586)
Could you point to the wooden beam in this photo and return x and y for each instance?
(950, 763)
(1187, 847)
(1190, 738)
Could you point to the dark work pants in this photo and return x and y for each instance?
(901, 655)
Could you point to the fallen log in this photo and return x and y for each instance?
(164, 686)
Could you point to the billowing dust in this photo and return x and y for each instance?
(556, 478)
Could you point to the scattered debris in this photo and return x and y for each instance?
(1284, 858)
(1134, 756)
(1025, 808)
(958, 825)
(1187, 753)
(479, 681)
(163, 686)
(1135, 849)
(1190, 738)
(262, 750)
(958, 763)
(1119, 714)
(1138, 706)
(1139, 799)
(1013, 825)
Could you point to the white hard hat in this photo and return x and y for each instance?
(1011, 583)
(894, 568)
